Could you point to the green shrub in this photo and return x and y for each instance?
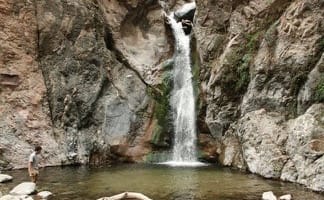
(243, 73)
(319, 91)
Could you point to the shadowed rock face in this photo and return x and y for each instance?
(90, 81)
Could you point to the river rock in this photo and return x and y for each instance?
(5, 178)
(16, 197)
(44, 194)
(285, 197)
(24, 188)
(268, 196)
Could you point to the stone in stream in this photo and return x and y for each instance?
(44, 194)
(268, 196)
(16, 197)
(5, 178)
(24, 188)
(285, 197)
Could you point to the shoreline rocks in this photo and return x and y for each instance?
(270, 196)
(5, 178)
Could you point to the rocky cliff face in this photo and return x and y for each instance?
(90, 81)
(261, 72)
(24, 110)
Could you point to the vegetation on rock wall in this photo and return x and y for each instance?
(319, 91)
(162, 113)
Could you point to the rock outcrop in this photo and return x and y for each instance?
(24, 112)
(262, 73)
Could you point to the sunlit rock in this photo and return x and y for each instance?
(16, 197)
(24, 188)
(268, 196)
(285, 197)
(44, 194)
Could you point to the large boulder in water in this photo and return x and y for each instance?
(24, 188)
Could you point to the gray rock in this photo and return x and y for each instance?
(305, 148)
(262, 140)
(307, 93)
(5, 178)
(24, 188)
(274, 134)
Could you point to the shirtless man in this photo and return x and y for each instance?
(33, 164)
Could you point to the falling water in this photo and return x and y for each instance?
(183, 101)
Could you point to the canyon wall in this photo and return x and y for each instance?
(90, 81)
(262, 75)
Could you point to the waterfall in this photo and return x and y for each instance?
(183, 101)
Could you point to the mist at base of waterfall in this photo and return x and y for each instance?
(183, 164)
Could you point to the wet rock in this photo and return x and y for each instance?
(209, 148)
(24, 188)
(186, 12)
(5, 178)
(268, 196)
(285, 197)
(44, 194)
(16, 197)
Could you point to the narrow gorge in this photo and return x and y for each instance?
(107, 82)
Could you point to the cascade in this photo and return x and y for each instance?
(182, 101)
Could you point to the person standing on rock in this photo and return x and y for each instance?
(33, 164)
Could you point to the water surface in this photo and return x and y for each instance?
(159, 182)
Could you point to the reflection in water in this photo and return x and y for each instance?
(158, 182)
(185, 184)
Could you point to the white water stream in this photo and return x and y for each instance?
(183, 101)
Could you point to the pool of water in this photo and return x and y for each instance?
(159, 182)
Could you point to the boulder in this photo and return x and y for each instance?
(268, 196)
(5, 178)
(44, 194)
(24, 188)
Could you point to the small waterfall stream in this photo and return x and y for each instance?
(182, 101)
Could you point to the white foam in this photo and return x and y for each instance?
(183, 164)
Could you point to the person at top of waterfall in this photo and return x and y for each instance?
(33, 164)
